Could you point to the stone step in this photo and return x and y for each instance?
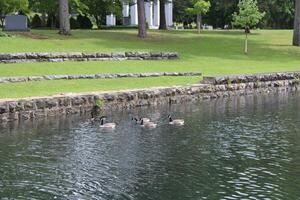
(95, 76)
(78, 56)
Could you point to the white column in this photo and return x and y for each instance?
(149, 12)
(110, 20)
(169, 13)
(156, 17)
(134, 14)
(125, 9)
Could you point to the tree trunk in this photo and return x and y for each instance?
(296, 38)
(98, 21)
(199, 21)
(64, 21)
(142, 19)
(162, 18)
(246, 43)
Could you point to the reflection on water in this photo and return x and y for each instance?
(244, 147)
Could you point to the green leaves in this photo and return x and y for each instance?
(9, 6)
(200, 7)
(99, 103)
(249, 14)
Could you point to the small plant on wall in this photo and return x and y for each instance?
(99, 103)
(96, 110)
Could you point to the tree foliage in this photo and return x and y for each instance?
(278, 13)
(248, 15)
(36, 21)
(200, 7)
(12, 6)
(84, 22)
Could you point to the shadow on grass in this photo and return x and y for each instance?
(214, 44)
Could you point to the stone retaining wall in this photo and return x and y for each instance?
(77, 56)
(11, 110)
(251, 78)
(95, 76)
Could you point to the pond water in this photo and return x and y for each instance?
(238, 148)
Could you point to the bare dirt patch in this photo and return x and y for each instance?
(32, 35)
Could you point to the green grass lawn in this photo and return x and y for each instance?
(45, 88)
(212, 53)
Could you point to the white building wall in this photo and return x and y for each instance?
(152, 11)
(110, 20)
(149, 13)
(125, 9)
(134, 14)
(169, 13)
(156, 13)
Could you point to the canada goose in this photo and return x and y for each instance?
(177, 122)
(106, 125)
(149, 125)
(139, 120)
(145, 119)
(135, 119)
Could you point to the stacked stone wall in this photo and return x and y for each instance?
(11, 110)
(78, 56)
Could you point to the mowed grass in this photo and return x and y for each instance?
(44, 88)
(211, 52)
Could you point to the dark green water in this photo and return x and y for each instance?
(240, 148)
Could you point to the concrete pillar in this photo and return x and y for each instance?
(110, 20)
(125, 9)
(169, 13)
(134, 14)
(156, 17)
(149, 12)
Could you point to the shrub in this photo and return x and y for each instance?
(84, 22)
(52, 21)
(2, 34)
(36, 21)
(74, 23)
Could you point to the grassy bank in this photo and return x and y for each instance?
(45, 88)
(212, 52)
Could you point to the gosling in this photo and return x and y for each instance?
(176, 122)
(106, 125)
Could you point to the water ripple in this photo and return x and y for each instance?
(239, 148)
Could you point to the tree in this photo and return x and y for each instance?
(48, 10)
(98, 9)
(248, 17)
(279, 13)
(200, 8)
(36, 21)
(142, 19)
(162, 17)
(11, 6)
(296, 37)
(220, 12)
(64, 21)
